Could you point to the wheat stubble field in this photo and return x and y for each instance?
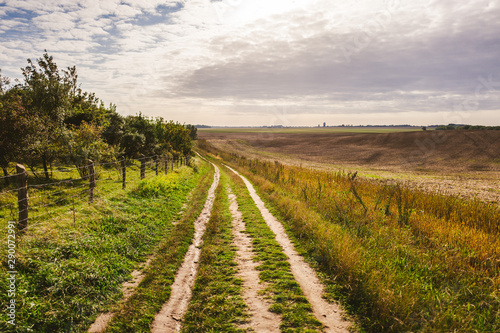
(465, 163)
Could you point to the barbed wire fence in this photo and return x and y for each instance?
(35, 205)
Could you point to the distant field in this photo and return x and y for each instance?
(466, 163)
(311, 130)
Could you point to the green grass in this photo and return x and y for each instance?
(71, 270)
(137, 313)
(287, 297)
(217, 305)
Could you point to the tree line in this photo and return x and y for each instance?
(47, 118)
(467, 127)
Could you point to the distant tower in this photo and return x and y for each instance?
(324, 124)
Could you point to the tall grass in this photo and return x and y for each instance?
(402, 260)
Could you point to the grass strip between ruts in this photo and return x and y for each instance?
(217, 304)
(286, 294)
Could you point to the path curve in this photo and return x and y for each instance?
(169, 319)
(330, 315)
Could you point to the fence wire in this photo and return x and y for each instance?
(48, 202)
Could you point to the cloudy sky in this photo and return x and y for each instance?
(271, 62)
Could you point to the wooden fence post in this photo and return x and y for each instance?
(157, 162)
(22, 197)
(124, 173)
(172, 163)
(166, 164)
(143, 168)
(91, 181)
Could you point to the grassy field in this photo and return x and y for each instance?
(397, 258)
(73, 258)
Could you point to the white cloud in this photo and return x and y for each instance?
(233, 56)
(54, 21)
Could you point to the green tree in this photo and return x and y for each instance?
(84, 143)
(138, 129)
(17, 128)
(193, 132)
(49, 100)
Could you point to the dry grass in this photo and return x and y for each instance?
(464, 163)
(406, 260)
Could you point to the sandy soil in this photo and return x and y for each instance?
(169, 319)
(261, 319)
(462, 163)
(330, 315)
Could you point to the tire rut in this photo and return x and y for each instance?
(261, 320)
(169, 319)
(330, 315)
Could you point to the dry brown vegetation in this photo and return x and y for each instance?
(399, 259)
(460, 162)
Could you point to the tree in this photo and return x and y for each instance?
(17, 127)
(50, 91)
(85, 142)
(193, 132)
(114, 128)
(4, 83)
(132, 143)
(139, 128)
(49, 118)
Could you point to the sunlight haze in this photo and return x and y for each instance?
(254, 63)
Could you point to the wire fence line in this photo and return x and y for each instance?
(41, 203)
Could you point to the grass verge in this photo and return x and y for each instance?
(70, 270)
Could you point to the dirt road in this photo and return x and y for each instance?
(330, 315)
(170, 317)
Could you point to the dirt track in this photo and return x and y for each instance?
(330, 315)
(169, 318)
(261, 319)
